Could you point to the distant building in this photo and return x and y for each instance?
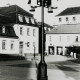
(66, 33)
(47, 27)
(25, 28)
(61, 37)
(68, 16)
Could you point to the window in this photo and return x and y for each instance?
(76, 38)
(20, 18)
(27, 19)
(3, 44)
(74, 18)
(60, 19)
(32, 21)
(45, 28)
(33, 32)
(66, 18)
(21, 30)
(48, 29)
(12, 45)
(28, 31)
(49, 38)
(3, 29)
(33, 44)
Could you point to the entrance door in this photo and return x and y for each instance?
(51, 50)
(59, 50)
(21, 48)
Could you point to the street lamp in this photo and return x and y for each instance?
(42, 66)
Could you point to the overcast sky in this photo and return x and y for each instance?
(49, 17)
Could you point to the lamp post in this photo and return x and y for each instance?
(34, 52)
(42, 66)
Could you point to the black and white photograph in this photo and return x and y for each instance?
(39, 39)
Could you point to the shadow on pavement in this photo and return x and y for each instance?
(26, 65)
(62, 63)
(66, 68)
(75, 61)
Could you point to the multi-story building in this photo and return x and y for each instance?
(67, 32)
(68, 16)
(62, 37)
(25, 28)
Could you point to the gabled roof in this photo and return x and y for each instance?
(70, 11)
(13, 13)
(65, 29)
(14, 8)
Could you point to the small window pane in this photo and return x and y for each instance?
(20, 18)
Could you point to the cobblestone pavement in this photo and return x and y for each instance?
(59, 67)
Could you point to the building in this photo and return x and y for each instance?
(66, 33)
(70, 15)
(8, 38)
(47, 27)
(25, 28)
(61, 37)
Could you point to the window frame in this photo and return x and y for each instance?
(3, 29)
(3, 44)
(21, 30)
(12, 47)
(28, 31)
(34, 32)
(67, 19)
(60, 19)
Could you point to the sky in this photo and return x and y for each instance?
(48, 17)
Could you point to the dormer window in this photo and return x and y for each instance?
(27, 19)
(20, 18)
(3, 29)
(32, 21)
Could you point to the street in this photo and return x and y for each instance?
(59, 67)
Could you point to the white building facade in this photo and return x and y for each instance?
(68, 16)
(28, 38)
(62, 37)
(9, 46)
(67, 32)
(25, 28)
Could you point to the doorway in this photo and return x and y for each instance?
(21, 48)
(59, 50)
(51, 50)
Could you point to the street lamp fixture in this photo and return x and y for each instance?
(32, 9)
(50, 10)
(42, 66)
